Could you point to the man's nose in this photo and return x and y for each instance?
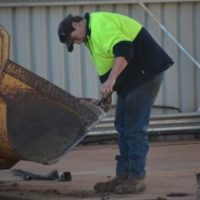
(77, 41)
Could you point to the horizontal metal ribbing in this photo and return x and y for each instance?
(159, 124)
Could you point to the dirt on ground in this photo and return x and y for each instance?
(171, 174)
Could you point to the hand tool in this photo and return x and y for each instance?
(53, 175)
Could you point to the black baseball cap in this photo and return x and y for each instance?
(64, 30)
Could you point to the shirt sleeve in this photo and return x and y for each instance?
(124, 49)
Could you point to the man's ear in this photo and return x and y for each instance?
(75, 24)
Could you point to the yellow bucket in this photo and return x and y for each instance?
(39, 121)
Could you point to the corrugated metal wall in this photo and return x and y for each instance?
(35, 45)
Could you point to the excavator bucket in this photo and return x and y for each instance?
(39, 121)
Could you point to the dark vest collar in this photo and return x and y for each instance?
(87, 18)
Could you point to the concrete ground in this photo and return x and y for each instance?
(171, 174)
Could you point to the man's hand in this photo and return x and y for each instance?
(105, 103)
(107, 87)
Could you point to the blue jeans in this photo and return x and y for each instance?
(131, 121)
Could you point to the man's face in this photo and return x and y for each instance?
(79, 34)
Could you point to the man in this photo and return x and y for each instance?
(130, 62)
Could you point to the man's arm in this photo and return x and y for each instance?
(119, 65)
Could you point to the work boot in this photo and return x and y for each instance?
(131, 186)
(109, 186)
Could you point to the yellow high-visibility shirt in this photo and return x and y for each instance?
(108, 29)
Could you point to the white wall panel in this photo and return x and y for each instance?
(186, 67)
(6, 19)
(21, 36)
(39, 45)
(56, 54)
(171, 88)
(196, 15)
(137, 13)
